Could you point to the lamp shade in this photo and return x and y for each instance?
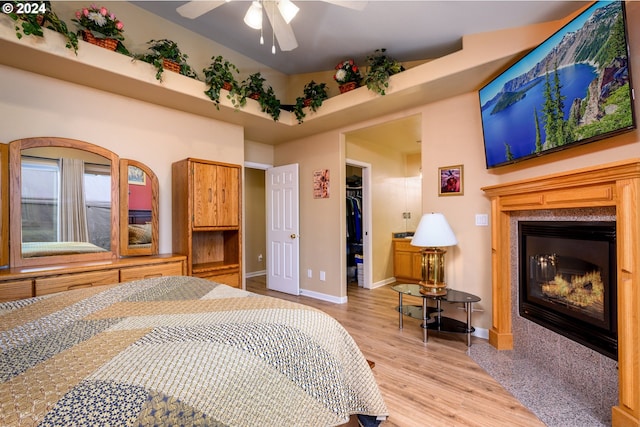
(433, 231)
(253, 17)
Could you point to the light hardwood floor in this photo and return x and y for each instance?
(432, 384)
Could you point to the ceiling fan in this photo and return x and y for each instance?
(279, 12)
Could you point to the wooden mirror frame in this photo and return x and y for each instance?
(125, 248)
(15, 209)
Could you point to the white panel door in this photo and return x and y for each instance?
(283, 239)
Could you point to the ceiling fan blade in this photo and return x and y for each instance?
(283, 31)
(350, 4)
(193, 9)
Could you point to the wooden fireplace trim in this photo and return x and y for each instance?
(615, 184)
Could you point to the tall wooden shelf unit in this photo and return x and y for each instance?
(206, 219)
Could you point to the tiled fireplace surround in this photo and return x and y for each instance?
(598, 193)
(584, 371)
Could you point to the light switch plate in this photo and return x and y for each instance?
(482, 220)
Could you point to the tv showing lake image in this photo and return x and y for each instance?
(572, 89)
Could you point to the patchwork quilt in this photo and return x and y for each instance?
(178, 351)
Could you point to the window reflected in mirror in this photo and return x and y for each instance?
(66, 202)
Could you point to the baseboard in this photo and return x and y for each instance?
(382, 283)
(255, 274)
(323, 297)
(481, 333)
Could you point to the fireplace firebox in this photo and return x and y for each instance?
(568, 280)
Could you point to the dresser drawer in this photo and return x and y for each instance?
(67, 282)
(232, 279)
(15, 290)
(146, 272)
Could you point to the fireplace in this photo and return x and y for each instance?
(567, 280)
(612, 186)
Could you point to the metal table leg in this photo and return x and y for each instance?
(425, 315)
(400, 310)
(469, 307)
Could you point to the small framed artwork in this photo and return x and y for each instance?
(451, 181)
(137, 176)
(321, 184)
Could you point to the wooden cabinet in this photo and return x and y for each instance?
(206, 219)
(20, 283)
(407, 261)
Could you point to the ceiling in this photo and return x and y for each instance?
(328, 33)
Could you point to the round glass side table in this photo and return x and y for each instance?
(440, 322)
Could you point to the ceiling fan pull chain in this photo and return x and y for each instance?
(261, 26)
(273, 29)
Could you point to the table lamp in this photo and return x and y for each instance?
(432, 235)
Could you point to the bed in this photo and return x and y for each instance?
(38, 249)
(179, 350)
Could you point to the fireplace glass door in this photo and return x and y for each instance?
(568, 280)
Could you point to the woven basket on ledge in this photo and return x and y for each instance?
(347, 87)
(170, 65)
(110, 44)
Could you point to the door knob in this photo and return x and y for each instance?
(293, 236)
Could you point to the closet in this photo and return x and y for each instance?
(354, 225)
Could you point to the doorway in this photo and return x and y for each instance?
(389, 157)
(358, 227)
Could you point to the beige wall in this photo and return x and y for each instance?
(34, 105)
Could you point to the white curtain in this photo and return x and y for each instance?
(73, 207)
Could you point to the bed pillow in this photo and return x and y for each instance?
(139, 234)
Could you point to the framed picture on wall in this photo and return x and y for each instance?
(321, 184)
(451, 181)
(137, 176)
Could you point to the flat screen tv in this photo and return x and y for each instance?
(572, 89)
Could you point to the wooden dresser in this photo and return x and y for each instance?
(25, 282)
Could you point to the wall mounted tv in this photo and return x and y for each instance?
(572, 89)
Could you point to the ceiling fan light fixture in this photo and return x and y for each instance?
(288, 10)
(253, 17)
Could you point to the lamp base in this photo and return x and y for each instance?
(433, 289)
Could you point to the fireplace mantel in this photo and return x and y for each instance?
(615, 184)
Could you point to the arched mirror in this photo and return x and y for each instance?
(138, 209)
(64, 202)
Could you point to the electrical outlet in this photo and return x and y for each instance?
(323, 276)
(260, 258)
(309, 273)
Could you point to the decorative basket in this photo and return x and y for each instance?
(227, 86)
(307, 102)
(255, 96)
(110, 44)
(170, 65)
(347, 87)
